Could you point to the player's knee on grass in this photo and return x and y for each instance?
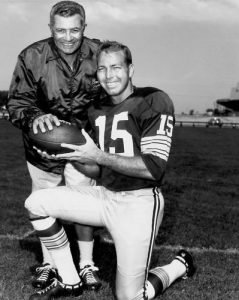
(129, 294)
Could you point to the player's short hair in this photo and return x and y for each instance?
(113, 46)
(67, 9)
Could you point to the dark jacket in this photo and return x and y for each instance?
(44, 83)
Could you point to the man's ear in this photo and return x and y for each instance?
(131, 70)
(84, 27)
(51, 29)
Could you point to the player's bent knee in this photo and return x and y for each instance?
(32, 203)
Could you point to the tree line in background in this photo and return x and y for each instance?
(209, 111)
(3, 97)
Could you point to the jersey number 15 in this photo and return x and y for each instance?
(165, 128)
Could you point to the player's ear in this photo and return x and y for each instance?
(131, 70)
(84, 27)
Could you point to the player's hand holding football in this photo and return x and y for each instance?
(90, 169)
(86, 153)
(44, 154)
(44, 120)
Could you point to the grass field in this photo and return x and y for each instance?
(201, 192)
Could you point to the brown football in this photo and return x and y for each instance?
(51, 140)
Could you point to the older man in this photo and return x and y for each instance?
(55, 79)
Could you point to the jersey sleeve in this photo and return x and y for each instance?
(157, 131)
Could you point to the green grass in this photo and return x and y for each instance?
(201, 214)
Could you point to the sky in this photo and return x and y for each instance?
(187, 48)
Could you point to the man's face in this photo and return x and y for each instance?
(114, 75)
(67, 33)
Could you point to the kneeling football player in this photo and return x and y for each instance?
(133, 128)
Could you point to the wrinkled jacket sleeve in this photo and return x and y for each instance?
(22, 98)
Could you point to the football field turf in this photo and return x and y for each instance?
(201, 191)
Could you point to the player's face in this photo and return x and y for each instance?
(67, 33)
(115, 75)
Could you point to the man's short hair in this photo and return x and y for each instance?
(67, 9)
(113, 46)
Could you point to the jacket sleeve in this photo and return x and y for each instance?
(22, 98)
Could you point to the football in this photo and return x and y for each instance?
(51, 140)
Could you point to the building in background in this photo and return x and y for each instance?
(230, 105)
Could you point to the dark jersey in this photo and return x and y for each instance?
(141, 125)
